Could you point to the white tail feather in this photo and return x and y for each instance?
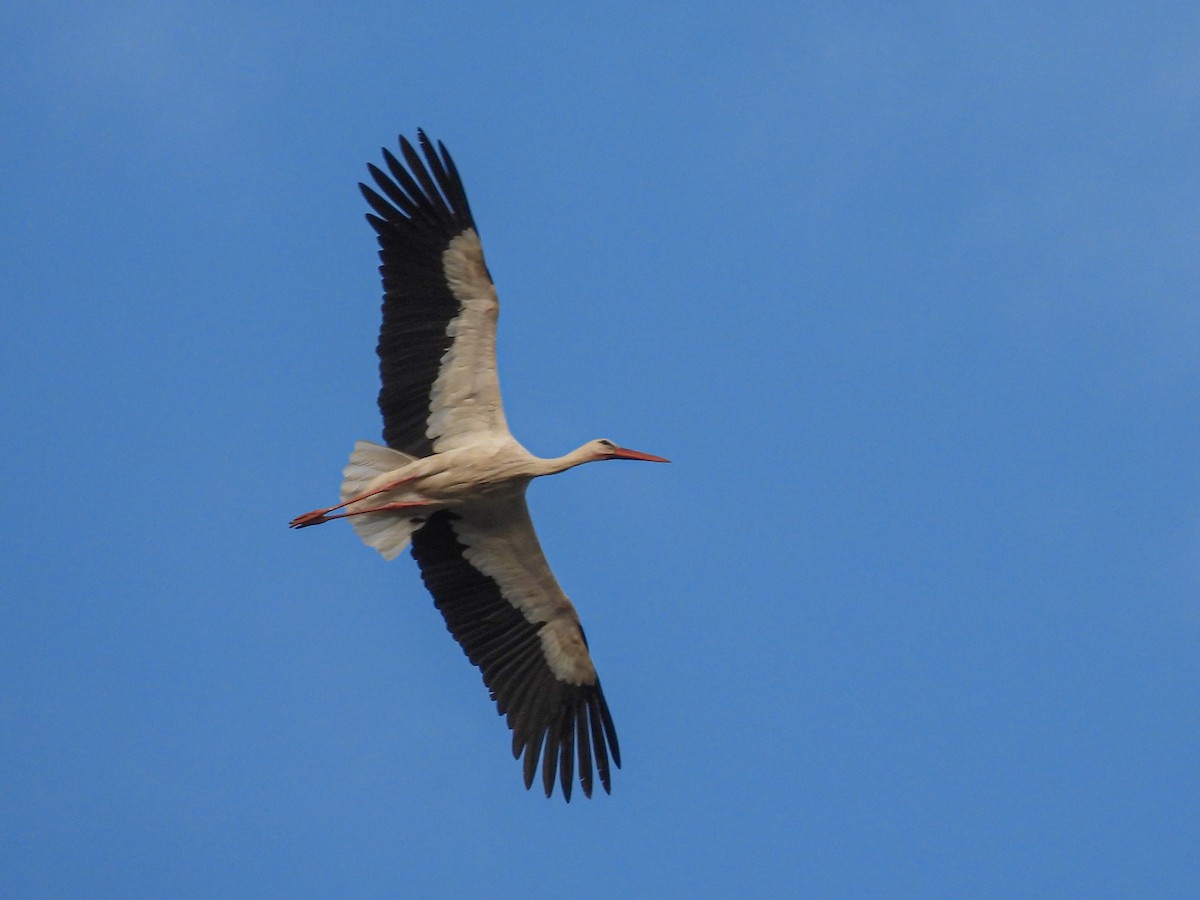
(387, 532)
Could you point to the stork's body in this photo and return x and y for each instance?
(452, 478)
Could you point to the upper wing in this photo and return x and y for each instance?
(437, 346)
(501, 602)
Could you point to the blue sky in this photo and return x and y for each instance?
(910, 297)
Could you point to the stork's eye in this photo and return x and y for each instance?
(604, 443)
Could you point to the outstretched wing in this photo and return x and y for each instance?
(437, 345)
(501, 602)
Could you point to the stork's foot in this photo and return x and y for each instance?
(316, 517)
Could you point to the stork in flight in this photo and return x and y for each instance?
(452, 478)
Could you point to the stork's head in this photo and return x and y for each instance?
(602, 448)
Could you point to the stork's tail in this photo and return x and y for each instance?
(388, 532)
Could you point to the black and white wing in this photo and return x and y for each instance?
(437, 345)
(490, 579)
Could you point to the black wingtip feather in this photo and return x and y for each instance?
(583, 748)
(566, 752)
(599, 747)
(550, 761)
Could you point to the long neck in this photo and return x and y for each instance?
(576, 457)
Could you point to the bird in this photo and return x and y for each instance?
(451, 479)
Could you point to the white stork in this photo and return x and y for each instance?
(452, 478)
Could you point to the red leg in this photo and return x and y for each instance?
(317, 516)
